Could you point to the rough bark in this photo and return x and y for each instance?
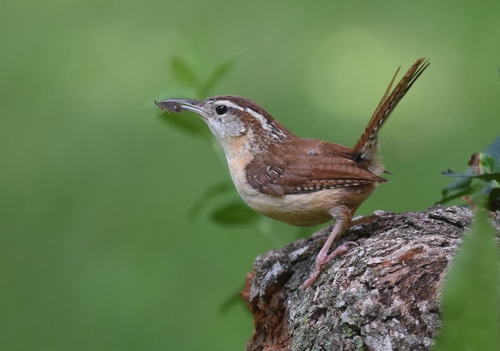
(381, 295)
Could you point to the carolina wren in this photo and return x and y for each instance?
(298, 181)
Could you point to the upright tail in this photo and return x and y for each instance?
(366, 147)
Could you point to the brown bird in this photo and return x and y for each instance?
(298, 181)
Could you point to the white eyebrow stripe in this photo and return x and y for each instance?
(230, 104)
(263, 121)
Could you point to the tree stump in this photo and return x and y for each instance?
(382, 295)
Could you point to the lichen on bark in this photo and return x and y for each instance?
(381, 295)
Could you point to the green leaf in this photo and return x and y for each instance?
(494, 200)
(209, 195)
(494, 151)
(459, 192)
(485, 176)
(459, 184)
(234, 213)
(182, 71)
(217, 74)
(479, 179)
(471, 295)
(487, 163)
(189, 124)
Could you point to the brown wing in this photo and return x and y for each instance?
(306, 173)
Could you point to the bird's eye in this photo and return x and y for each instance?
(221, 109)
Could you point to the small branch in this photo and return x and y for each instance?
(382, 295)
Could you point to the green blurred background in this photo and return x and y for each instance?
(98, 250)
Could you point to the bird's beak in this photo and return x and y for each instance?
(177, 105)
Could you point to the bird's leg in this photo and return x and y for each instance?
(342, 216)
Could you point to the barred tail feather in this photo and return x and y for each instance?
(366, 147)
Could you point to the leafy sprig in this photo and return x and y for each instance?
(479, 184)
(222, 201)
(471, 294)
